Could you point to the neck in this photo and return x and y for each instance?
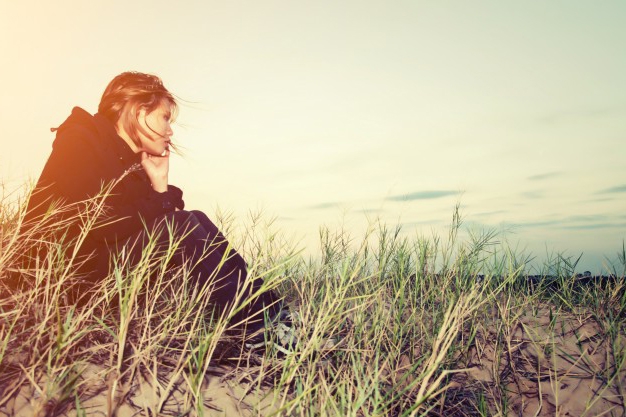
(124, 135)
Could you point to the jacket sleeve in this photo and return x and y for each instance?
(125, 215)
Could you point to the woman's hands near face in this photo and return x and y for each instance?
(157, 167)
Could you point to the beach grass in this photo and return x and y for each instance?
(385, 325)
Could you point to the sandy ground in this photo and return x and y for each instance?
(222, 393)
(548, 366)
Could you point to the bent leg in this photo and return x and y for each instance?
(267, 303)
(213, 262)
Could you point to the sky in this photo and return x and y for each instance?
(342, 114)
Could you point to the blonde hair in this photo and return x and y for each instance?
(130, 92)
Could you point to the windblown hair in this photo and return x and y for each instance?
(130, 92)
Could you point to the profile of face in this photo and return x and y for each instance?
(158, 124)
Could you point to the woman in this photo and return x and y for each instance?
(126, 146)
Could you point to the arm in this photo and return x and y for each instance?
(127, 212)
(157, 169)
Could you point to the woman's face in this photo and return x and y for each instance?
(157, 123)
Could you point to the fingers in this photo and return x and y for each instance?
(149, 156)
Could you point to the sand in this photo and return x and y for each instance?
(223, 395)
(550, 364)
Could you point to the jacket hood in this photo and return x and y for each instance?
(98, 130)
(78, 118)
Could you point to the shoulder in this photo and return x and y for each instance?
(79, 130)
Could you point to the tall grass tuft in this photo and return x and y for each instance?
(384, 326)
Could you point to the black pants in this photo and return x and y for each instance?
(214, 263)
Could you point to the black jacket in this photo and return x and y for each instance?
(88, 155)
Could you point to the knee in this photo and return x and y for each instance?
(184, 219)
(201, 216)
(206, 223)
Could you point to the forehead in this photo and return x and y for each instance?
(165, 107)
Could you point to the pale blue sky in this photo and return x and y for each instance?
(325, 112)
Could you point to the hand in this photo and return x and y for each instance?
(157, 168)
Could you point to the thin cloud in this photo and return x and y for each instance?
(592, 222)
(422, 195)
(489, 213)
(533, 194)
(566, 116)
(286, 219)
(323, 206)
(408, 225)
(612, 190)
(473, 224)
(587, 219)
(545, 176)
(587, 222)
(547, 223)
(595, 226)
(603, 199)
(372, 211)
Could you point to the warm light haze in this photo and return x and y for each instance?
(343, 113)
